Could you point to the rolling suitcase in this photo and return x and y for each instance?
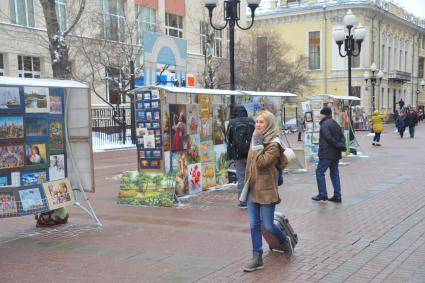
(282, 223)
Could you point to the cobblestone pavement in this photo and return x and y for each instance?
(377, 234)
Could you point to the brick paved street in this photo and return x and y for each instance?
(377, 234)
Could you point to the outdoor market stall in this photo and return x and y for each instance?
(181, 147)
(340, 106)
(45, 143)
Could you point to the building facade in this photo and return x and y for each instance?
(395, 42)
(109, 33)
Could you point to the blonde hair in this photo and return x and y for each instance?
(269, 117)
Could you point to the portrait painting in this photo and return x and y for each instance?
(11, 127)
(12, 156)
(178, 126)
(59, 193)
(35, 154)
(193, 122)
(166, 143)
(10, 99)
(57, 167)
(36, 99)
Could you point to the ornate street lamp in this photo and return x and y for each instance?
(352, 42)
(376, 74)
(231, 17)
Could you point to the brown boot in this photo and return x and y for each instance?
(255, 263)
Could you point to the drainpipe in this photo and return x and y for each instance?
(326, 48)
(413, 64)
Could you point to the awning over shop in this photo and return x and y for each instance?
(268, 93)
(341, 97)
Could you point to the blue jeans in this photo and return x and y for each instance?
(412, 131)
(377, 137)
(262, 215)
(323, 165)
(240, 166)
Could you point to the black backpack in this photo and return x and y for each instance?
(241, 139)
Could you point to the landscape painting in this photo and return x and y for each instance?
(10, 99)
(11, 127)
(36, 99)
(36, 128)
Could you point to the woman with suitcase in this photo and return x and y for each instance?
(265, 158)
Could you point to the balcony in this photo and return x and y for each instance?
(399, 76)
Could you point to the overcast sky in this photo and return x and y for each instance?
(416, 7)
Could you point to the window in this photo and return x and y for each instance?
(420, 67)
(395, 59)
(355, 63)
(314, 50)
(355, 91)
(218, 43)
(203, 36)
(145, 20)
(114, 95)
(113, 19)
(173, 25)
(389, 59)
(29, 67)
(1, 65)
(61, 14)
(399, 59)
(22, 12)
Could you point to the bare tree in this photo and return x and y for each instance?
(265, 62)
(58, 47)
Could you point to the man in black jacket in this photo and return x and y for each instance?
(411, 121)
(238, 138)
(331, 143)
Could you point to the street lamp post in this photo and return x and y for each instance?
(231, 17)
(376, 74)
(352, 43)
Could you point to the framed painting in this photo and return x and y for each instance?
(56, 135)
(206, 151)
(8, 205)
(11, 128)
(59, 193)
(12, 156)
(31, 178)
(56, 103)
(195, 178)
(31, 200)
(208, 175)
(193, 122)
(309, 116)
(178, 126)
(36, 127)
(37, 100)
(36, 156)
(206, 129)
(11, 100)
(57, 168)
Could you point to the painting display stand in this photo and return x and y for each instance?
(45, 142)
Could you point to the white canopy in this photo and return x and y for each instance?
(268, 93)
(342, 97)
(190, 90)
(13, 81)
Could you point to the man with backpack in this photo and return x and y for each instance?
(238, 138)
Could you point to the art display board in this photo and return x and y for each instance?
(340, 113)
(45, 144)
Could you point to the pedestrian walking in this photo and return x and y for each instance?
(377, 127)
(401, 123)
(301, 125)
(331, 144)
(238, 138)
(265, 158)
(411, 121)
(401, 103)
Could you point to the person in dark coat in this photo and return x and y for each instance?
(240, 116)
(411, 121)
(331, 144)
(401, 123)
